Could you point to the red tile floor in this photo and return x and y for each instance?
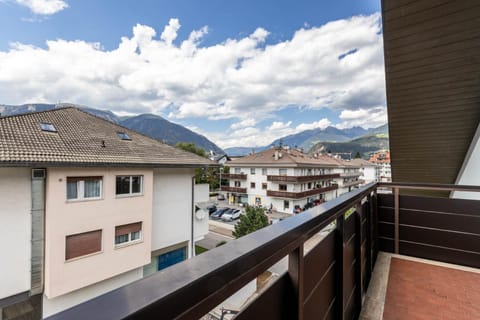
(419, 290)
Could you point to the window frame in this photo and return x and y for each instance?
(253, 185)
(264, 186)
(129, 235)
(130, 188)
(252, 171)
(81, 188)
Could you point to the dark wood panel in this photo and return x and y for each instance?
(387, 215)
(386, 245)
(440, 254)
(386, 229)
(317, 262)
(350, 307)
(447, 205)
(321, 299)
(349, 230)
(348, 282)
(455, 240)
(385, 200)
(450, 222)
(274, 303)
(399, 8)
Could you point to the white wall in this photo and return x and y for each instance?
(55, 305)
(470, 171)
(15, 228)
(172, 207)
(201, 195)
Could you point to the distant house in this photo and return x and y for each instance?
(88, 206)
(382, 160)
(368, 170)
(219, 158)
(286, 179)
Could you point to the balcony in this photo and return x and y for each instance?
(233, 189)
(352, 183)
(331, 279)
(350, 174)
(234, 176)
(300, 195)
(301, 179)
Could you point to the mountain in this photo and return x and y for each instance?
(166, 131)
(147, 124)
(366, 145)
(330, 136)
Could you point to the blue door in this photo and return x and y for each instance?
(170, 258)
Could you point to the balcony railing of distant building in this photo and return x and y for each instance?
(327, 282)
(234, 189)
(350, 174)
(300, 179)
(353, 183)
(300, 194)
(235, 176)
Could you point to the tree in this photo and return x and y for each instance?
(191, 147)
(357, 155)
(252, 220)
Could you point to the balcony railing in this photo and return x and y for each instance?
(327, 282)
(350, 174)
(301, 194)
(234, 176)
(353, 183)
(234, 189)
(301, 179)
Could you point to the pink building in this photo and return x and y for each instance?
(88, 206)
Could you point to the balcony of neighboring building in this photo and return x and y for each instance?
(233, 189)
(301, 179)
(350, 174)
(300, 194)
(365, 254)
(353, 183)
(234, 176)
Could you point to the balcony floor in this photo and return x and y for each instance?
(410, 288)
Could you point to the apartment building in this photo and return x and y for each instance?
(382, 160)
(88, 206)
(286, 179)
(369, 170)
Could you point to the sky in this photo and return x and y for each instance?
(242, 73)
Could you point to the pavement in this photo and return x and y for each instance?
(212, 239)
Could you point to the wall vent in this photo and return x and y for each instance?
(38, 173)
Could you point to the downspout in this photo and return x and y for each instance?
(192, 245)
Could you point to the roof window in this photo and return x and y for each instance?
(45, 126)
(123, 136)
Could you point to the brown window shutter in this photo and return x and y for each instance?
(128, 228)
(75, 179)
(83, 243)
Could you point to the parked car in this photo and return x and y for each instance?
(211, 208)
(217, 214)
(220, 196)
(231, 215)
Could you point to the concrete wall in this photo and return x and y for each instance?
(15, 228)
(70, 217)
(55, 305)
(172, 207)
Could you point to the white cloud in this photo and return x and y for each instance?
(43, 7)
(320, 124)
(367, 118)
(244, 123)
(238, 78)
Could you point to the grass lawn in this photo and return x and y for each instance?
(199, 250)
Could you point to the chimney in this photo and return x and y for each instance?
(277, 153)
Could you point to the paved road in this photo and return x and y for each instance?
(212, 239)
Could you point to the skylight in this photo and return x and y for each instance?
(45, 126)
(123, 136)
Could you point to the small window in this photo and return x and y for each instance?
(282, 187)
(237, 170)
(129, 185)
(252, 170)
(252, 185)
(123, 136)
(237, 184)
(264, 171)
(84, 188)
(264, 186)
(47, 127)
(128, 233)
(82, 244)
(282, 172)
(286, 204)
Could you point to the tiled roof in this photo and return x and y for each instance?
(83, 139)
(363, 163)
(288, 158)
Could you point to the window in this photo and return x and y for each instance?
(264, 186)
(309, 185)
(123, 136)
(252, 185)
(129, 185)
(252, 170)
(237, 170)
(47, 127)
(264, 171)
(286, 204)
(128, 233)
(84, 188)
(82, 244)
(282, 172)
(237, 184)
(282, 187)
